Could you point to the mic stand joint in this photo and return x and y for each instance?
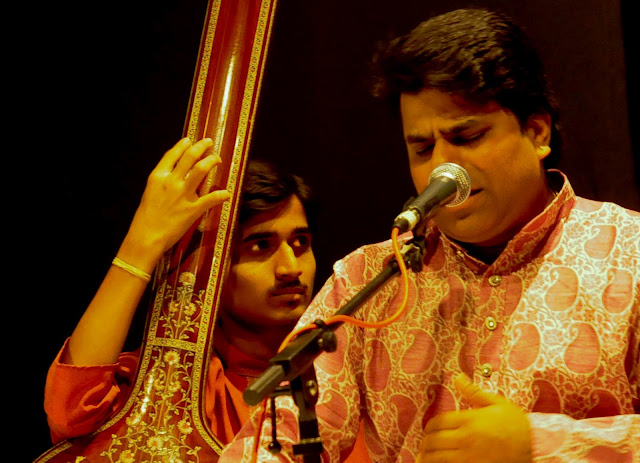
(295, 362)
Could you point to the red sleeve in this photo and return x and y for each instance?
(79, 399)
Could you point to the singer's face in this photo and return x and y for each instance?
(270, 281)
(503, 159)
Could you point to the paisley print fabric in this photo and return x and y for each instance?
(553, 324)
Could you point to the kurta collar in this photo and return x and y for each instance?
(536, 238)
(234, 360)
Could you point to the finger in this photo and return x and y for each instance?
(473, 394)
(190, 157)
(169, 159)
(200, 170)
(440, 440)
(214, 198)
(446, 420)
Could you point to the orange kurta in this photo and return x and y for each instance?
(80, 399)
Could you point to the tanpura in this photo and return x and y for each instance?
(163, 418)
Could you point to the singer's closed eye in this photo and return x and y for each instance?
(467, 139)
(421, 151)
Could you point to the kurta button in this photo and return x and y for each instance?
(495, 280)
(486, 369)
(460, 254)
(490, 323)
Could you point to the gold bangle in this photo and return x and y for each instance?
(131, 269)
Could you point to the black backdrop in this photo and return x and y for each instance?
(106, 88)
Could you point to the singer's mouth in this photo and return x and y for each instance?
(474, 192)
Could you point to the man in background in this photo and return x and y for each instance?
(269, 285)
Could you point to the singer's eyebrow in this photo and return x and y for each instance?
(459, 128)
(455, 129)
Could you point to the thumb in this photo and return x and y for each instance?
(473, 394)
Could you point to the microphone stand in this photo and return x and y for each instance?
(295, 362)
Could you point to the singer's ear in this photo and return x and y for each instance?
(538, 129)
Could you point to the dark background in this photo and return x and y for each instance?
(102, 92)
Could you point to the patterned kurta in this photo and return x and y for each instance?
(553, 324)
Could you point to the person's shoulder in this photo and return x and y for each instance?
(606, 221)
(606, 210)
(359, 265)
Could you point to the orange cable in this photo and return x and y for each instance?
(348, 319)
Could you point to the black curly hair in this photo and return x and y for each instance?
(264, 188)
(477, 54)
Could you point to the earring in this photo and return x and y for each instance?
(544, 150)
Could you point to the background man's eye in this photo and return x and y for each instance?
(260, 245)
(302, 241)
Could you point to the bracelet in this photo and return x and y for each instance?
(131, 269)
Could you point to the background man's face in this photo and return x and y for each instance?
(270, 282)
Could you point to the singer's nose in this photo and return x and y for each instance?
(443, 152)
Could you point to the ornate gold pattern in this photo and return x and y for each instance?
(165, 406)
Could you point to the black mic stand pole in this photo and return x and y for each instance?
(295, 362)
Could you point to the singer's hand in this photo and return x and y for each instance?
(171, 202)
(496, 430)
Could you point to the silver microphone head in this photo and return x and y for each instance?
(457, 174)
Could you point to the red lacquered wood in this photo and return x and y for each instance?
(163, 420)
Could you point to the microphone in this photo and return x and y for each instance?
(449, 184)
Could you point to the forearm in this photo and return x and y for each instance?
(170, 204)
(100, 334)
